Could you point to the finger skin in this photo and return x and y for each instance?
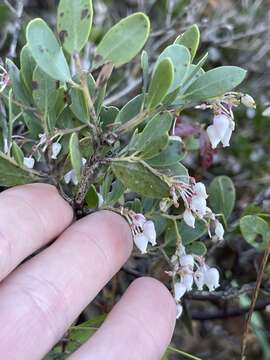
(30, 217)
(140, 326)
(41, 299)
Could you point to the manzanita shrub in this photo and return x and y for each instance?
(130, 160)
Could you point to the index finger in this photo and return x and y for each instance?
(30, 217)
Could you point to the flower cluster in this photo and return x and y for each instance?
(143, 230)
(29, 161)
(221, 130)
(189, 270)
(70, 176)
(223, 123)
(194, 196)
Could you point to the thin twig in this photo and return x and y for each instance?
(254, 300)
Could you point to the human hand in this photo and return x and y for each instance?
(41, 298)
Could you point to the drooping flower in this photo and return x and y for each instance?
(150, 232)
(198, 205)
(219, 230)
(29, 162)
(179, 290)
(187, 280)
(70, 176)
(211, 278)
(195, 203)
(141, 241)
(56, 148)
(199, 278)
(221, 130)
(191, 269)
(143, 231)
(179, 310)
(187, 261)
(189, 218)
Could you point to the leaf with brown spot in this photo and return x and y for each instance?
(74, 22)
(46, 50)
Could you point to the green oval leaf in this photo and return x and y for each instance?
(145, 69)
(190, 234)
(180, 57)
(130, 110)
(17, 153)
(44, 90)
(124, 40)
(91, 198)
(177, 169)
(256, 231)
(193, 73)
(18, 87)
(172, 154)
(222, 195)
(46, 50)
(161, 82)
(190, 39)
(11, 174)
(28, 65)
(215, 83)
(198, 248)
(78, 104)
(151, 140)
(75, 154)
(74, 22)
(137, 177)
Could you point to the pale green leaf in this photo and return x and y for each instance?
(180, 57)
(190, 234)
(137, 177)
(74, 22)
(46, 50)
(256, 231)
(44, 90)
(197, 247)
(75, 154)
(161, 82)
(124, 40)
(190, 39)
(17, 153)
(130, 110)
(18, 87)
(172, 154)
(28, 65)
(222, 195)
(215, 83)
(154, 130)
(11, 174)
